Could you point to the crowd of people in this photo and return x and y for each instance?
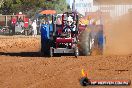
(32, 28)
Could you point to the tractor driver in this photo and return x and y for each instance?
(70, 24)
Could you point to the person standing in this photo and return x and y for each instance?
(13, 23)
(34, 26)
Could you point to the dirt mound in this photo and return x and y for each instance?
(118, 35)
(19, 44)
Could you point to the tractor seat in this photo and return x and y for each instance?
(64, 40)
(61, 34)
(59, 31)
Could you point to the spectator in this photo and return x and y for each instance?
(59, 21)
(34, 26)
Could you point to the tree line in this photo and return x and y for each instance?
(30, 7)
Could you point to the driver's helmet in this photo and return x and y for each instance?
(69, 20)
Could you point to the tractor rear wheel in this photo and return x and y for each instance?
(85, 43)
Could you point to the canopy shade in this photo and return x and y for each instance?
(48, 12)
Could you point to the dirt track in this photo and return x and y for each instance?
(31, 70)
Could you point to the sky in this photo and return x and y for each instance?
(69, 2)
(80, 4)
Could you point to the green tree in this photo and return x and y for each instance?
(60, 6)
(30, 7)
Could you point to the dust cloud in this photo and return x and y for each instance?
(118, 33)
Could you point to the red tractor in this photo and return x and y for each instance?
(61, 38)
(67, 37)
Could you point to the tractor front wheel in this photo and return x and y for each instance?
(76, 52)
(51, 52)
